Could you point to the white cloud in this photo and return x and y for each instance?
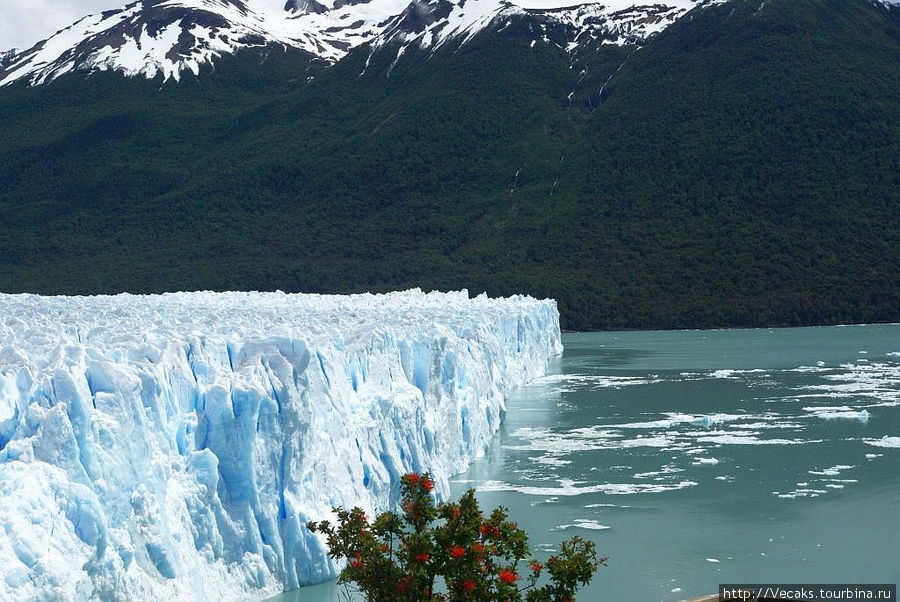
(24, 22)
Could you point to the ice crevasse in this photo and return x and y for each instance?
(174, 446)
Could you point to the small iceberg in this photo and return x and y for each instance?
(708, 461)
(861, 415)
(884, 442)
(706, 421)
(838, 413)
(830, 472)
(581, 523)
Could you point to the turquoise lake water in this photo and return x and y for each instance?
(694, 458)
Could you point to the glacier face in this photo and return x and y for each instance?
(174, 446)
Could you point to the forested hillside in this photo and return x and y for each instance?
(741, 168)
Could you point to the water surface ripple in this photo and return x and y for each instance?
(699, 457)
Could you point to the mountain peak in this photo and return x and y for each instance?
(171, 37)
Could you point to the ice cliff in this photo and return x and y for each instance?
(174, 446)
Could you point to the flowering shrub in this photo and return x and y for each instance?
(400, 557)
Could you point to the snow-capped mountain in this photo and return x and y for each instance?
(171, 37)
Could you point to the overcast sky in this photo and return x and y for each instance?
(24, 22)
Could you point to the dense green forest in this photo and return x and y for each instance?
(740, 169)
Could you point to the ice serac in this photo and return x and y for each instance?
(174, 446)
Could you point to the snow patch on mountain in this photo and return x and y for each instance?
(173, 447)
(170, 37)
(631, 24)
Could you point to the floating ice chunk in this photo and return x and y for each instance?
(713, 560)
(884, 442)
(833, 471)
(582, 523)
(549, 500)
(748, 439)
(568, 382)
(675, 418)
(704, 421)
(665, 470)
(838, 413)
(570, 488)
(658, 441)
(801, 493)
(702, 461)
(728, 373)
(549, 460)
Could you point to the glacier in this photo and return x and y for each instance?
(174, 446)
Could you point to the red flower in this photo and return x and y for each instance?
(423, 557)
(357, 564)
(427, 485)
(457, 552)
(479, 548)
(468, 585)
(413, 478)
(403, 585)
(489, 530)
(536, 567)
(508, 576)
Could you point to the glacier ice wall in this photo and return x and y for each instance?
(174, 446)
